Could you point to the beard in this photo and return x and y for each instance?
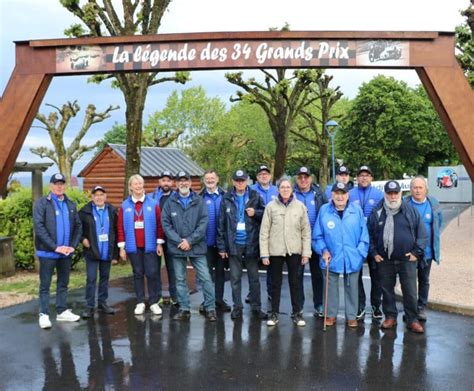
(165, 188)
(393, 204)
(184, 191)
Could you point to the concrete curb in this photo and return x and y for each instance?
(446, 307)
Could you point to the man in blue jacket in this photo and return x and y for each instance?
(99, 238)
(184, 221)
(212, 195)
(268, 192)
(397, 243)
(58, 230)
(238, 239)
(430, 211)
(313, 198)
(367, 197)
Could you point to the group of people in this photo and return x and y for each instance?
(335, 231)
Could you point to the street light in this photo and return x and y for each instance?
(331, 126)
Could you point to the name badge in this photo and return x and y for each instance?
(103, 238)
(240, 226)
(139, 225)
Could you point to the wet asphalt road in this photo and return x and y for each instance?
(123, 352)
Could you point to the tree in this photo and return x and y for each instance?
(139, 17)
(312, 131)
(63, 156)
(116, 135)
(240, 139)
(465, 44)
(185, 115)
(392, 128)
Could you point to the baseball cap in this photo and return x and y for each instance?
(342, 170)
(98, 188)
(183, 174)
(166, 173)
(263, 167)
(304, 170)
(364, 169)
(57, 178)
(240, 175)
(392, 187)
(339, 186)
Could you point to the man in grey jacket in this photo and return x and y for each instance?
(184, 221)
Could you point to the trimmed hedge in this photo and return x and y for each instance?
(16, 221)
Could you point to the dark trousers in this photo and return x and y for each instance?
(406, 271)
(316, 281)
(375, 285)
(424, 269)
(92, 266)
(217, 272)
(293, 263)
(269, 280)
(171, 273)
(149, 265)
(236, 266)
(63, 268)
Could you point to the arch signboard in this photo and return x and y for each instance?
(431, 54)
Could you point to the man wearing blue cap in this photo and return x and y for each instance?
(397, 242)
(342, 176)
(58, 230)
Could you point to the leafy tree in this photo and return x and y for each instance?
(139, 17)
(312, 130)
(390, 127)
(465, 44)
(186, 115)
(55, 125)
(240, 139)
(116, 135)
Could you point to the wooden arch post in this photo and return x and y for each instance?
(430, 53)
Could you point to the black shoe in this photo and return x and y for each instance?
(202, 310)
(182, 315)
(422, 314)
(103, 307)
(260, 314)
(211, 316)
(360, 314)
(236, 313)
(223, 306)
(299, 313)
(247, 299)
(376, 313)
(88, 313)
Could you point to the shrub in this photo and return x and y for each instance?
(16, 217)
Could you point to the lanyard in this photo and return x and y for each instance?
(139, 214)
(365, 198)
(100, 215)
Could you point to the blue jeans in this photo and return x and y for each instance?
(406, 270)
(202, 271)
(316, 281)
(424, 269)
(149, 265)
(236, 267)
(171, 274)
(351, 295)
(63, 268)
(92, 265)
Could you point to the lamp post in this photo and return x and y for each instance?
(331, 126)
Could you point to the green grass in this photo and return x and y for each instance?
(28, 282)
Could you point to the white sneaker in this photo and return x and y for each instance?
(44, 321)
(67, 316)
(140, 309)
(156, 309)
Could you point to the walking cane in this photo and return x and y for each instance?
(326, 296)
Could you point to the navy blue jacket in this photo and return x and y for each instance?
(213, 210)
(227, 226)
(89, 231)
(190, 224)
(44, 222)
(376, 224)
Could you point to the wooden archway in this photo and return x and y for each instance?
(431, 54)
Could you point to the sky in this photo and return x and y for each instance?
(43, 19)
